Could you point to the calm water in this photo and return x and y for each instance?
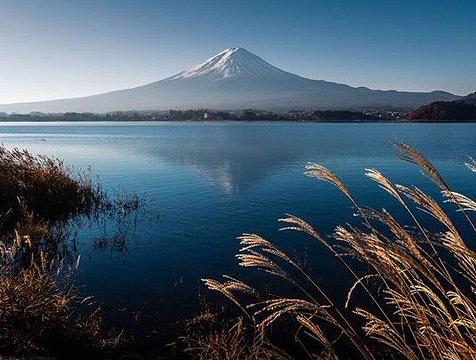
(211, 182)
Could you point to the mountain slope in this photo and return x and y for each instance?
(234, 79)
(469, 99)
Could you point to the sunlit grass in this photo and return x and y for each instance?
(416, 292)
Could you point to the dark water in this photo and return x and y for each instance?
(211, 182)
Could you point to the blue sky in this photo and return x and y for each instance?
(59, 48)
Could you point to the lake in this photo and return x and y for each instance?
(206, 183)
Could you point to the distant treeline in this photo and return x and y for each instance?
(205, 115)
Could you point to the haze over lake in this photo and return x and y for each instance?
(210, 182)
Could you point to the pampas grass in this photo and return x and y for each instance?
(416, 295)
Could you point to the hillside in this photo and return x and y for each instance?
(460, 110)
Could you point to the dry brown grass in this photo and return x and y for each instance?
(41, 313)
(36, 313)
(42, 186)
(38, 196)
(209, 337)
(416, 297)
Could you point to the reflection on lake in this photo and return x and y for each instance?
(210, 182)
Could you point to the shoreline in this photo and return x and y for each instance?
(471, 121)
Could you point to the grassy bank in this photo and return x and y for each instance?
(44, 187)
(41, 313)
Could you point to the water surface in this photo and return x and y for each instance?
(210, 182)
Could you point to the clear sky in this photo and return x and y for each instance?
(53, 49)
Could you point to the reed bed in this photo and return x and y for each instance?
(211, 336)
(42, 315)
(38, 196)
(43, 186)
(413, 298)
(37, 317)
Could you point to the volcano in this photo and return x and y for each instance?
(236, 79)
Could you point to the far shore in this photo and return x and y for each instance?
(247, 115)
(336, 121)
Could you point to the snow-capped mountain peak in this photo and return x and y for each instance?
(235, 79)
(231, 62)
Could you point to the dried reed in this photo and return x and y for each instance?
(417, 296)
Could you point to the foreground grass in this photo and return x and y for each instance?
(36, 316)
(44, 187)
(213, 336)
(415, 299)
(41, 312)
